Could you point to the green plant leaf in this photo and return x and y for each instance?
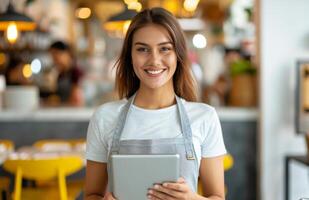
(242, 67)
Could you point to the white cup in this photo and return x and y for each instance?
(21, 98)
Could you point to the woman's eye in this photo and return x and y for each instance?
(164, 49)
(142, 49)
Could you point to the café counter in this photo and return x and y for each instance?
(70, 114)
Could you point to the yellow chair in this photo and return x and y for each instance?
(6, 146)
(62, 145)
(43, 169)
(78, 144)
(53, 145)
(59, 144)
(228, 162)
(78, 141)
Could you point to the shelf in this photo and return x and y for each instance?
(84, 114)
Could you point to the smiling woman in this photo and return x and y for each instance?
(170, 39)
(159, 116)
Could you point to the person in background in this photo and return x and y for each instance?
(158, 92)
(69, 74)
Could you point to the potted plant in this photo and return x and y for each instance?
(243, 84)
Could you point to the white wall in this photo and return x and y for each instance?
(284, 31)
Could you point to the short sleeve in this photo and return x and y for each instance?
(96, 148)
(213, 144)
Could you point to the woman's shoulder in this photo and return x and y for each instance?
(199, 110)
(109, 110)
(203, 107)
(112, 105)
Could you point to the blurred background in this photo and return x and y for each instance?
(220, 36)
(250, 59)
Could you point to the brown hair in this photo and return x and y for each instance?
(127, 83)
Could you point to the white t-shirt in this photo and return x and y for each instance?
(154, 124)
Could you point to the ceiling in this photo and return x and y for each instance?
(212, 10)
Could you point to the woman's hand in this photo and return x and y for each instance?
(172, 191)
(109, 196)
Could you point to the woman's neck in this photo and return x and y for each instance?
(154, 99)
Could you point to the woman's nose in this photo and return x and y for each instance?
(155, 58)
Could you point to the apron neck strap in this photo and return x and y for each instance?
(120, 124)
(186, 129)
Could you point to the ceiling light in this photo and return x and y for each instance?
(199, 41)
(83, 12)
(23, 22)
(36, 66)
(119, 22)
(12, 33)
(135, 6)
(27, 72)
(129, 1)
(12, 22)
(190, 5)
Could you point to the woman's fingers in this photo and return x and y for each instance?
(167, 191)
(158, 195)
(181, 180)
(109, 196)
(181, 187)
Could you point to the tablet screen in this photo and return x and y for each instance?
(132, 175)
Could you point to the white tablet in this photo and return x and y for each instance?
(132, 175)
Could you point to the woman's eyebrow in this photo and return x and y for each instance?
(140, 43)
(162, 43)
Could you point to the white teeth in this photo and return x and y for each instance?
(154, 71)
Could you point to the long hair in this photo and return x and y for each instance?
(127, 83)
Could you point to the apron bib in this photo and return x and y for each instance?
(182, 146)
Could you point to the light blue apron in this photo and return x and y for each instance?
(182, 146)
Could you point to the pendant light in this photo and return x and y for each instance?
(118, 24)
(120, 21)
(12, 22)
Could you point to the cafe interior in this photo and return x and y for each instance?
(250, 59)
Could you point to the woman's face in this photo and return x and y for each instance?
(153, 57)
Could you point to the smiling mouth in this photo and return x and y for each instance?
(154, 72)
